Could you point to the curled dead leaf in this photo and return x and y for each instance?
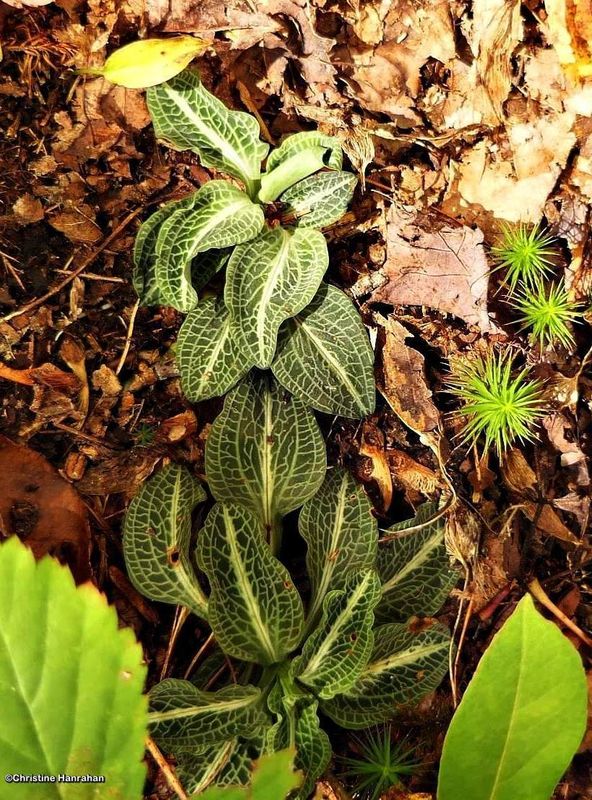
(40, 507)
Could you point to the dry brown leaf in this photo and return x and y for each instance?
(557, 426)
(77, 224)
(372, 446)
(495, 30)
(513, 180)
(124, 472)
(568, 27)
(40, 507)
(430, 263)
(401, 379)
(413, 475)
(547, 521)
(28, 209)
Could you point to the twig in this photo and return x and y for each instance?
(128, 338)
(537, 591)
(181, 615)
(166, 769)
(86, 263)
(198, 655)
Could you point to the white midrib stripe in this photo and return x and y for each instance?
(233, 156)
(218, 347)
(333, 541)
(268, 288)
(197, 711)
(327, 644)
(418, 559)
(266, 470)
(404, 658)
(251, 603)
(186, 581)
(333, 363)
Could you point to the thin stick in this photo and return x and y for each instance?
(181, 615)
(537, 591)
(198, 655)
(128, 338)
(463, 633)
(166, 769)
(86, 263)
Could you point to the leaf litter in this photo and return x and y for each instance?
(461, 118)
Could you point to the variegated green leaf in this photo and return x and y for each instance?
(210, 363)
(319, 200)
(324, 357)
(415, 570)
(298, 726)
(200, 767)
(339, 648)
(181, 714)
(265, 450)
(404, 666)
(188, 117)
(293, 169)
(269, 279)
(341, 534)
(297, 142)
(221, 216)
(205, 265)
(144, 277)
(254, 608)
(156, 534)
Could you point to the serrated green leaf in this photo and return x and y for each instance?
(221, 216)
(341, 534)
(297, 142)
(254, 608)
(181, 714)
(210, 363)
(339, 648)
(319, 200)
(293, 169)
(415, 570)
(156, 534)
(187, 116)
(265, 451)
(144, 256)
(70, 683)
(524, 714)
(269, 279)
(148, 62)
(324, 357)
(404, 666)
(298, 726)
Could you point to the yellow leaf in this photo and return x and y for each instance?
(151, 61)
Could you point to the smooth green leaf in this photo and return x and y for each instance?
(324, 357)
(269, 279)
(70, 683)
(221, 216)
(148, 62)
(188, 117)
(404, 666)
(181, 714)
(415, 570)
(210, 363)
(298, 726)
(339, 648)
(341, 533)
(265, 450)
(523, 713)
(319, 200)
(293, 169)
(156, 534)
(305, 140)
(144, 277)
(254, 608)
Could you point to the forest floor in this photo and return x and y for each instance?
(459, 117)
